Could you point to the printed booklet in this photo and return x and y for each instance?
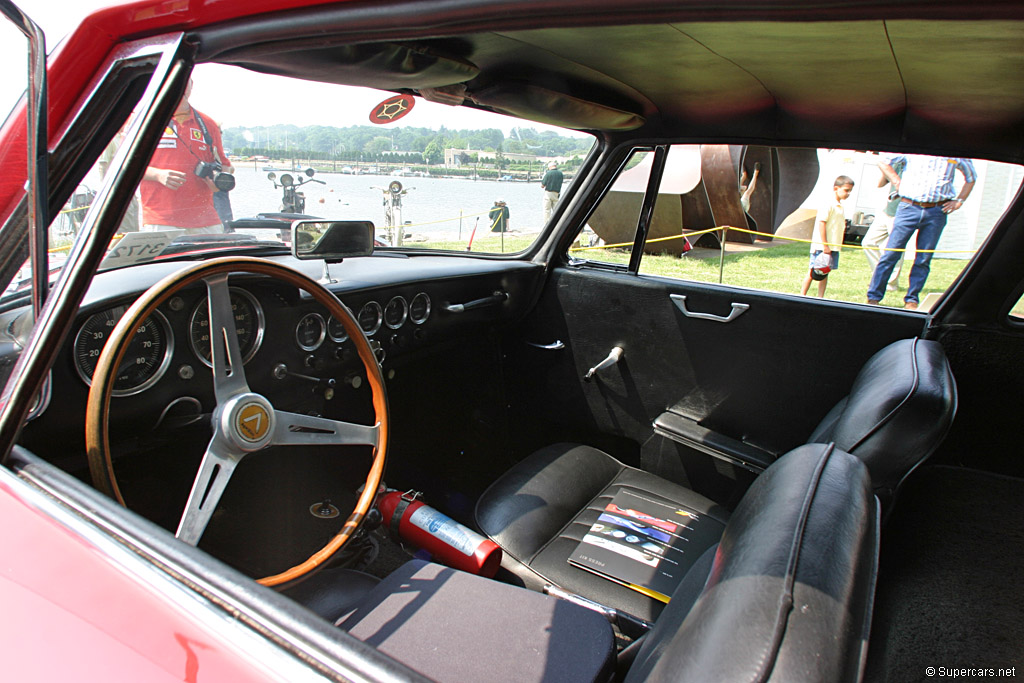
(645, 544)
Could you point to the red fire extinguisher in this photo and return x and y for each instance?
(448, 541)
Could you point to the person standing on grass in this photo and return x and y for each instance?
(552, 185)
(927, 197)
(499, 216)
(878, 234)
(827, 236)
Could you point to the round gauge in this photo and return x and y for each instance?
(370, 316)
(419, 308)
(145, 361)
(249, 326)
(310, 332)
(336, 331)
(396, 312)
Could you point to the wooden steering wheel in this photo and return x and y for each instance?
(243, 421)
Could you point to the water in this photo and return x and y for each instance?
(431, 207)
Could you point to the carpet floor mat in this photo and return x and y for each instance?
(951, 578)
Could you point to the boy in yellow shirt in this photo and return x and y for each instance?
(827, 236)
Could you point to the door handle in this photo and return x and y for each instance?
(556, 345)
(493, 300)
(612, 359)
(737, 310)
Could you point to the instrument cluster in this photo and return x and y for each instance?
(153, 344)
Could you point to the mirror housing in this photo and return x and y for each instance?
(331, 241)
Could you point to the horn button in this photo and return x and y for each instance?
(248, 421)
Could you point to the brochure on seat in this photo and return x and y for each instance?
(645, 544)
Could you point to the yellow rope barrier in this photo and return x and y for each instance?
(723, 228)
(446, 220)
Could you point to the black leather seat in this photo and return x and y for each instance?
(899, 409)
(785, 595)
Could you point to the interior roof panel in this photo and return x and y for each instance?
(917, 85)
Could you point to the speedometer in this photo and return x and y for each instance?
(144, 362)
(249, 325)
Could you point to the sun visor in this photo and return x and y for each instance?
(386, 66)
(558, 109)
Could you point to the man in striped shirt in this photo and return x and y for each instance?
(927, 197)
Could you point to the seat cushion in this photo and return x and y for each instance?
(539, 511)
(454, 626)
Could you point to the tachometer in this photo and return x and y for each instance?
(249, 325)
(145, 361)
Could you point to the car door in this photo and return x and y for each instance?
(620, 357)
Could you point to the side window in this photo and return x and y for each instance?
(753, 217)
(608, 234)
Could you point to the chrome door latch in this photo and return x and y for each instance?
(737, 310)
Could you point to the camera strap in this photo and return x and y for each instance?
(202, 127)
(206, 137)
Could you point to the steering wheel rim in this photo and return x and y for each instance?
(236, 404)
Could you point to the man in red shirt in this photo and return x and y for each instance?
(173, 196)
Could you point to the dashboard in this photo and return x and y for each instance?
(295, 353)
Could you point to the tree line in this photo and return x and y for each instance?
(406, 145)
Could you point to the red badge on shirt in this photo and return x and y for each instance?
(392, 109)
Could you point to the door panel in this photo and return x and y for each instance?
(766, 378)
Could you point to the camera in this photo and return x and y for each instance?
(214, 171)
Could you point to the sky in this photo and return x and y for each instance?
(294, 102)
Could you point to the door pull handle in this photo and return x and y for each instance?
(613, 357)
(556, 345)
(493, 300)
(737, 310)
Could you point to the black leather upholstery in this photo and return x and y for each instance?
(454, 626)
(898, 411)
(539, 511)
(789, 592)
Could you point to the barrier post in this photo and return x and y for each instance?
(721, 257)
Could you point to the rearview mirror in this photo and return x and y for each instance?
(331, 240)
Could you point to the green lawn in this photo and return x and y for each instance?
(779, 267)
(782, 268)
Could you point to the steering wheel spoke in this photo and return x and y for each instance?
(226, 354)
(293, 429)
(214, 474)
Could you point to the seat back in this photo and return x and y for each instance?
(787, 594)
(898, 411)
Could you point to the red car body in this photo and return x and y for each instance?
(71, 611)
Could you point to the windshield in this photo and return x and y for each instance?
(245, 154)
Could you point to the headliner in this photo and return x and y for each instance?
(887, 83)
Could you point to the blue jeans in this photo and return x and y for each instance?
(929, 224)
